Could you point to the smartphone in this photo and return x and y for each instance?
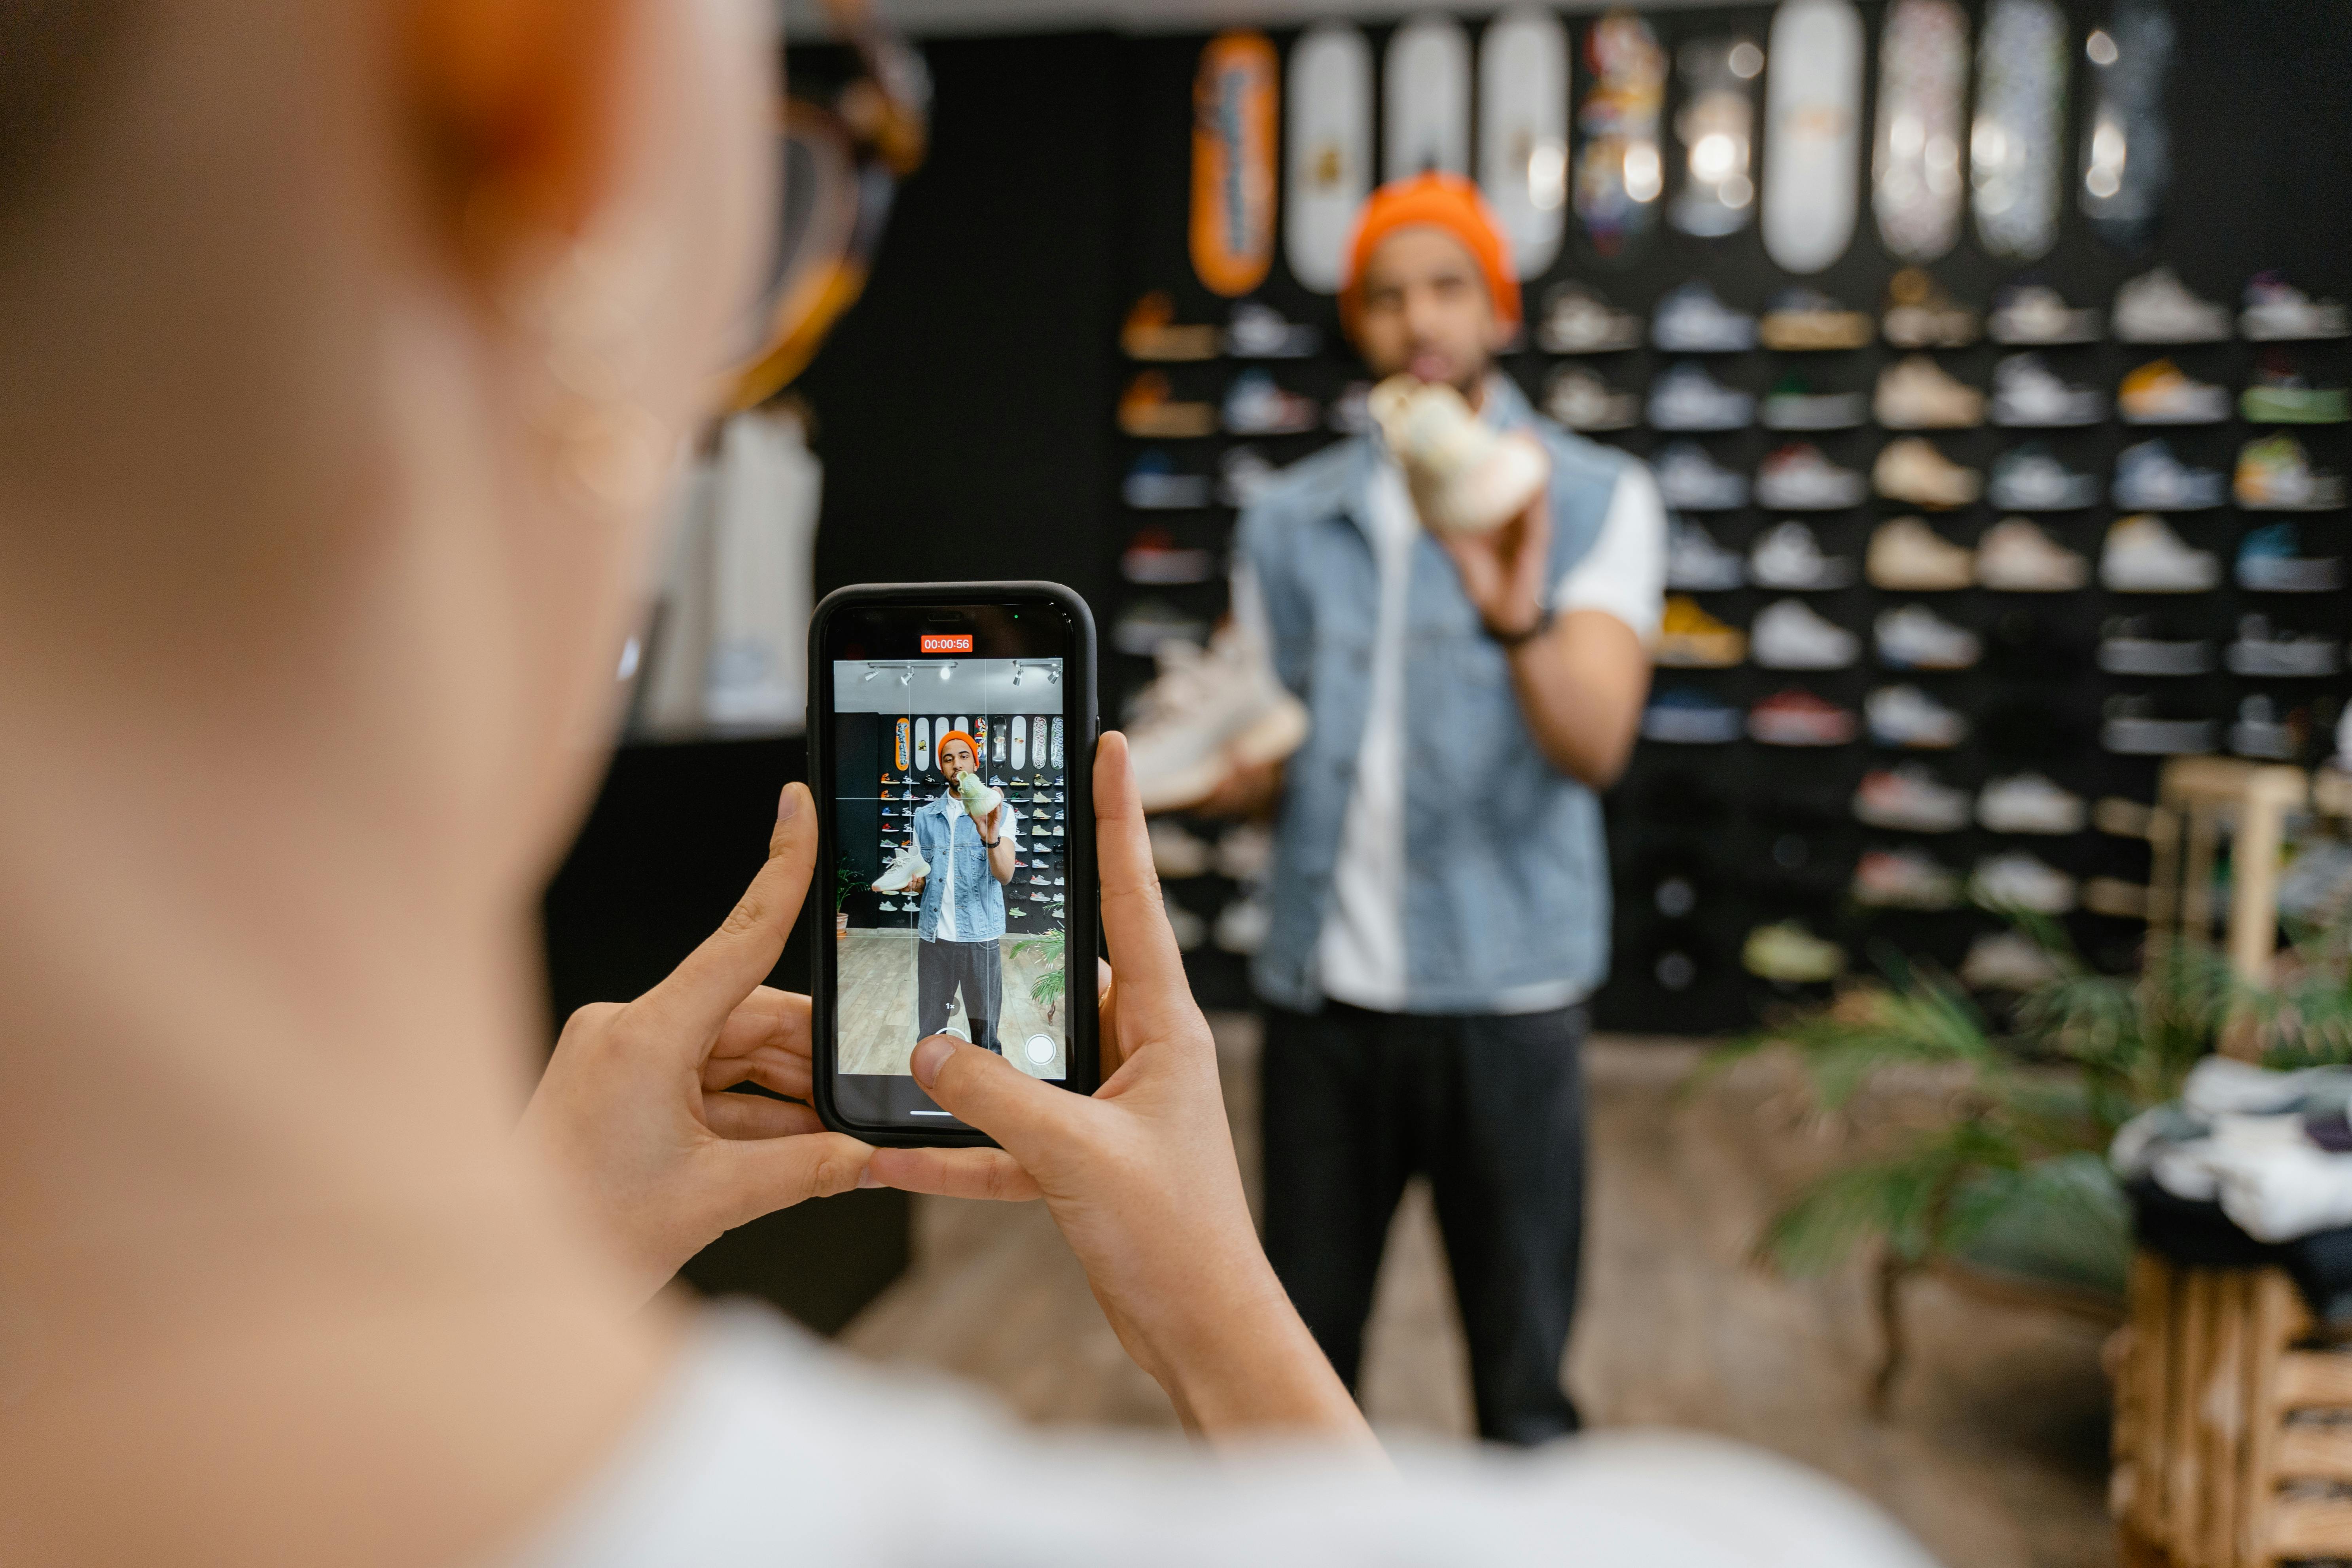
(950, 731)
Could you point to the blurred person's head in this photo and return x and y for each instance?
(1427, 289)
(958, 755)
(343, 347)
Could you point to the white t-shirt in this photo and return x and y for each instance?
(766, 1450)
(947, 928)
(1361, 955)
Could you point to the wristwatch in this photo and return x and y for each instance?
(1534, 629)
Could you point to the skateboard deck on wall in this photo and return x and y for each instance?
(1622, 170)
(2127, 146)
(2014, 156)
(903, 740)
(1235, 102)
(1058, 742)
(1523, 132)
(922, 745)
(964, 724)
(980, 738)
(1000, 742)
(1020, 742)
(1716, 126)
(1330, 151)
(1425, 100)
(1812, 117)
(1915, 150)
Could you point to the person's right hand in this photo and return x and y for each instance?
(1142, 1176)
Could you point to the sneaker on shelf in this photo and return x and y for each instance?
(1793, 404)
(900, 874)
(2015, 880)
(1697, 563)
(1175, 853)
(2134, 727)
(1914, 637)
(1920, 315)
(1153, 556)
(1905, 879)
(1244, 474)
(1802, 321)
(1682, 717)
(1912, 471)
(2032, 479)
(1578, 321)
(1149, 623)
(1153, 484)
(2161, 392)
(1908, 719)
(1790, 634)
(1465, 476)
(2016, 557)
(2143, 555)
(1798, 718)
(2157, 308)
(2259, 732)
(1579, 399)
(1686, 398)
(1243, 854)
(1690, 481)
(1789, 954)
(2274, 474)
(1189, 928)
(1241, 926)
(1150, 332)
(2007, 961)
(2262, 650)
(1787, 556)
(2036, 315)
(2270, 561)
(1906, 556)
(1259, 332)
(1798, 477)
(2279, 394)
(1690, 639)
(2027, 393)
(1351, 411)
(1690, 319)
(1212, 710)
(1914, 392)
(2277, 312)
(1909, 799)
(2143, 644)
(2149, 477)
(2029, 803)
(1255, 406)
(1147, 408)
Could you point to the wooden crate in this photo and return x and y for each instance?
(2233, 1429)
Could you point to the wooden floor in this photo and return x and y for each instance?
(1994, 1452)
(877, 970)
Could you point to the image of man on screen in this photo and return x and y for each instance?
(957, 946)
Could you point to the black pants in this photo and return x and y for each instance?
(1491, 1109)
(977, 969)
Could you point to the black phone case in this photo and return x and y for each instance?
(1083, 916)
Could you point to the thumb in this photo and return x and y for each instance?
(983, 1089)
(761, 1175)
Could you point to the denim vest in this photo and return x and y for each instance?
(1507, 873)
(943, 840)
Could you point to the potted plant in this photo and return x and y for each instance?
(1047, 986)
(845, 883)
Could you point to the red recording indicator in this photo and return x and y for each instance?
(947, 642)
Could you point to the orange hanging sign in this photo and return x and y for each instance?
(1235, 103)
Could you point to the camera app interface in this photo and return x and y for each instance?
(951, 891)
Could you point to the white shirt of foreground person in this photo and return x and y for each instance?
(769, 1449)
(1361, 956)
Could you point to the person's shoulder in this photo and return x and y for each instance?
(1581, 460)
(1309, 490)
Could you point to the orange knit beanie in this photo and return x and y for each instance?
(1442, 201)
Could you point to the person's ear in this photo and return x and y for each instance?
(518, 108)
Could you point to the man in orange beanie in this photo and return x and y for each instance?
(1439, 899)
(956, 950)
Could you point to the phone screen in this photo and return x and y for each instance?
(950, 735)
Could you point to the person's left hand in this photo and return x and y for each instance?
(1503, 569)
(633, 1109)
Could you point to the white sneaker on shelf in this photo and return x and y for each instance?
(2277, 312)
(1909, 799)
(2028, 803)
(1697, 563)
(1906, 717)
(1241, 926)
(2027, 393)
(2037, 315)
(2261, 651)
(1176, 854)
(1905, 879)
(2143, 555)
(1690, 481)
(1787, 635)
(2005, 961)
(2016, 557)
(1798, 477)
(2016, 880)
(1906, 556)
(1787, 556)
(1210, 712)
(1915, 637)
(1914, 392)
(2157, 308)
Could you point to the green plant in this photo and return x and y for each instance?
(1048, 986)
(845, 883)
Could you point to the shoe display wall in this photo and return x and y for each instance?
(2062, 496)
